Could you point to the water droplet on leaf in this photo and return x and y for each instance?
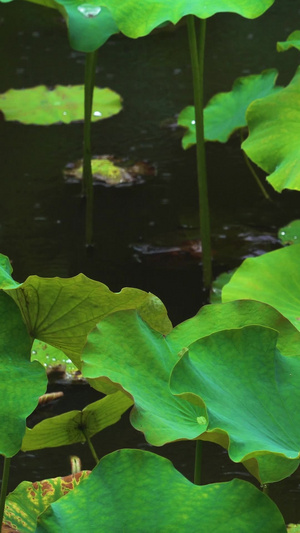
(201, 420)
(97, 114)
(88, 10)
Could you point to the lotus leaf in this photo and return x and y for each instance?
(250, 392)
(92, 23)
(134, 490)
(290, 234)
(125, 351)
(68, 428)
(61, 312)
(293, 41)
(226, 112)
(274, 136)
(51, 357)
(22, 382)
(273, 278)
(42, 106)
(29, 500)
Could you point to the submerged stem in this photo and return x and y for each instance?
(4, 488)
(253, 172)
(87, 178)
(198, 461)
(197, 60)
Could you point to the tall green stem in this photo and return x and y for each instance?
(197, 60)
(4, 488)
(87, 178)
(198, 461)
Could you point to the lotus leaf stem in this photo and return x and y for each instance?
(254, 173)
(90, 445)
(197, 61)
(198, 461)
(87, 177)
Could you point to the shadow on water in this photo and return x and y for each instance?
(145, 235)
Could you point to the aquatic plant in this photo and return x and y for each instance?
(209, 378)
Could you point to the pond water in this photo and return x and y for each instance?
(42, 215)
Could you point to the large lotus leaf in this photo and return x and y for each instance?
(126, 351)
(293, 41)
(42, 106)
(251, 393)
(274, 139)
(290, 234)
(273, 278)
(29, 500)
(75, 425)
(21, 381)
(61, 312)
(236, 314)
(226, 112)
(92, 23)
(134, 490)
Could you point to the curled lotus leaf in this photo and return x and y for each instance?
(42, 106)
(226, 112)
(124, 351)
(251, 394)
(272, 278)
(115, 498)
(274, 136)
(293, 41)
(29, 500)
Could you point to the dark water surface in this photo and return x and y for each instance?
(41, 216)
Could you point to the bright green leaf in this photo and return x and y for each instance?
(29, 500)
(226, 112)
(68, 428)
(42, 106)
(293, 41)
(251, 393)
(273, 278)
(124, 350)
(133, 490)
(51, 357)
(274, 139)
(290, 234)
(61, 312)
(21, 382)
(92, 23)
(217, 286)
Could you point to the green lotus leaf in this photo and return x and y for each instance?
(251, 394)
(74, 426)
(290, 234)
(22, 382)
(125, 351)
(92, 23)
(273, 142)
(217, 286)
(29, 500)
(293, 41)
(273, 278)
(6, 281)
(51, 357)
(123, 494)
(42, 106)
(61, 312)
(226, 112)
